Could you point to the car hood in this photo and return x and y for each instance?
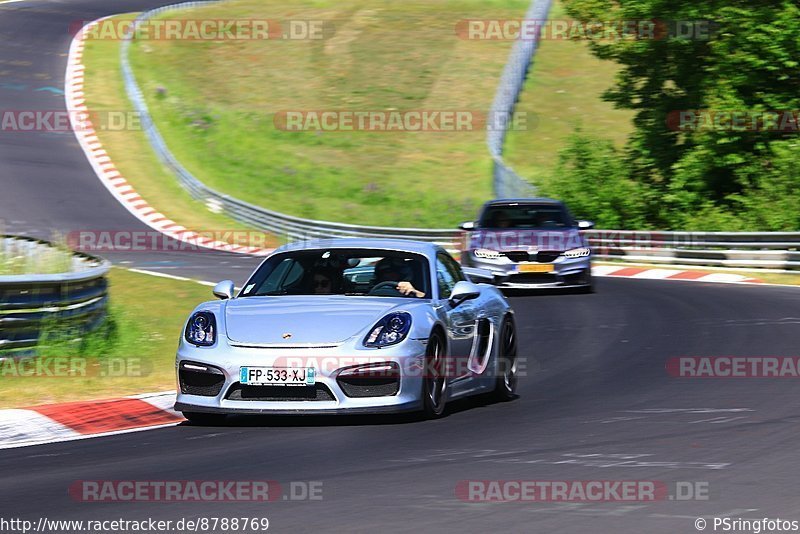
(303, 320)
(504, 240)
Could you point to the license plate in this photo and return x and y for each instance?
(277, 376)
(536, 268)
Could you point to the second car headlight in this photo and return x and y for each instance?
(486, 253)
(201, 329)
(390, 330)
(577, 252)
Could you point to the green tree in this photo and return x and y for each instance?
(593, 176)
(749, 61)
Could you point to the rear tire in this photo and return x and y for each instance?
(204, 419)
(506, 387)
(434, 384)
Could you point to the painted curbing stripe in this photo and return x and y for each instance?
(657, 273)
(722, 278)
(86, 419)
(21, 427)
(106, 416)
(628, 271)
(687, 275)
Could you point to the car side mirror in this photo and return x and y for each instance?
(468, 226)
(224, 290)
(464, 291)
(585, 225)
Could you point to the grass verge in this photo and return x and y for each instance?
(135, 353)
(214, 102)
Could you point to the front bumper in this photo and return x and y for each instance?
(566, 272)
(328, 363)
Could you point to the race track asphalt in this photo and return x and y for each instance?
(596, 402)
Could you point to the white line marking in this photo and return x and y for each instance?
(162, 275)
(84, 436)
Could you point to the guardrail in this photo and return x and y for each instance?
(507, 183)
(776, 250)
(31, 302)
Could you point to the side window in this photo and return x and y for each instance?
(283, 275)
(453, 267)
(444, 277)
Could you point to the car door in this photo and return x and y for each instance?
(461, 320)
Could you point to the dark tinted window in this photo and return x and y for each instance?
(338, 272)
(448, 273)
(526, 216)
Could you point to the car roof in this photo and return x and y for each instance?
(400, 245)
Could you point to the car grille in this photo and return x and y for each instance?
(318, 392)
(533, 278)
(359, 386)
(547, 256)
(543, 256)
(203, 383)
(517, 255)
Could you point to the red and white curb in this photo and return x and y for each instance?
(657, 273)
(106, 170)
(52, 423)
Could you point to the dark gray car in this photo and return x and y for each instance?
(529, 242)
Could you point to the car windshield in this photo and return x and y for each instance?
(526, 216)
(340, 272)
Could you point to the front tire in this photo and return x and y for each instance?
(204, 419)
(506, 387)
(434, 384)
(589, 287)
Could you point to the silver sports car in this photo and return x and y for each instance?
(347, 326)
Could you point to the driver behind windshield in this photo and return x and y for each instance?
(397, 270)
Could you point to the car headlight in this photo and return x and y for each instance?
(390, 330)
(577, 252)
(201, 329)
(486, 253)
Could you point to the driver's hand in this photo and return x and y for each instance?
(405, 288)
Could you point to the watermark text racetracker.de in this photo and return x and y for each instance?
(453, 366)
(98, 241)
(393, 120)
(734, 120)
(602, 241)
(533, 491)
(594, 30)
(75, 367)
(139, 491)
(56, 121)
(206, 29)
(734, 367)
